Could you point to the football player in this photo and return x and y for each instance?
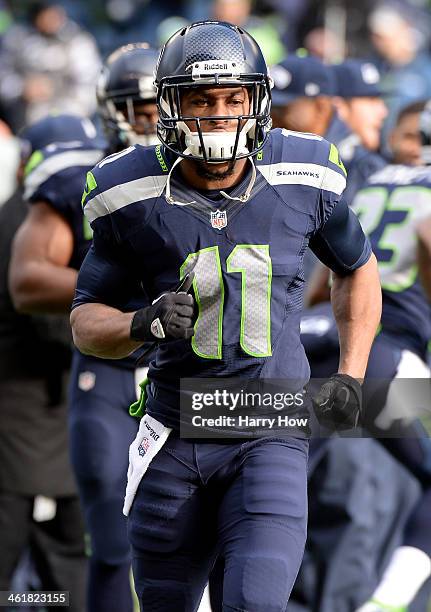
(404, 139)
(409, 568)
(48, 252)
(392, 207)
(359, 102)
(40, 511)
(230, 207)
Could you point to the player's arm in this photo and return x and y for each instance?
(356, 302)
(356, 294)
(102, 329)
(424, 255)
(39, 277)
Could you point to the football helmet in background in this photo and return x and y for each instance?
(64, 128)
(126, 96)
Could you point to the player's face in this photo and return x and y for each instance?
(366, 116)
(300, 115)
(146, 117)
(215, 102)
(405, 141)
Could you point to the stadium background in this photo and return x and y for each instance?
(331, 30)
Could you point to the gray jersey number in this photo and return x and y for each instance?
(253, 262)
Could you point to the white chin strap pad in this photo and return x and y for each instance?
(217, 144)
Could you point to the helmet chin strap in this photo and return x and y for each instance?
(242, 198)
(168, 196)
(246, 195)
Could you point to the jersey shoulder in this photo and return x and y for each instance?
(304, 169)
(57, 170)
(136, 174)
(307, 154)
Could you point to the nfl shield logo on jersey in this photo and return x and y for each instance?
(219, 219)
(86, 381)
(143, 447)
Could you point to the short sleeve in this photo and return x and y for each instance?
(341, 243)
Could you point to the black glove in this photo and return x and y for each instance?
(170, 317)
(338, 403)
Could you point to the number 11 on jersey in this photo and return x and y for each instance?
(253, 262)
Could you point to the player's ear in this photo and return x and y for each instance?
(342, 107)
(277, 117)
(323, 105)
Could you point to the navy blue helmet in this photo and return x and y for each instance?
(64, 128)
(212, 54)
(126, 80)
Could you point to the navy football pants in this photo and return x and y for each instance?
(101, 431)
(244, 501)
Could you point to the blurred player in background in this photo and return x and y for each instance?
(360, 107)
(48, 251)
(392, 206)
(302, 95)
(404, 147)
(39, 504)
(404, 141)
(304, 98)
(424, 229)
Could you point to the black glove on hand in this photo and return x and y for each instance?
(170, 317)
(338, 403)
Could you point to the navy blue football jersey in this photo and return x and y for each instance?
(247, 256)
(56, 174)
(390, 207)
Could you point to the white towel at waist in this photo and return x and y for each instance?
(149, 440)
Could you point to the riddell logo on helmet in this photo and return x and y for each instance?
(216, 66)
(203, 70)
